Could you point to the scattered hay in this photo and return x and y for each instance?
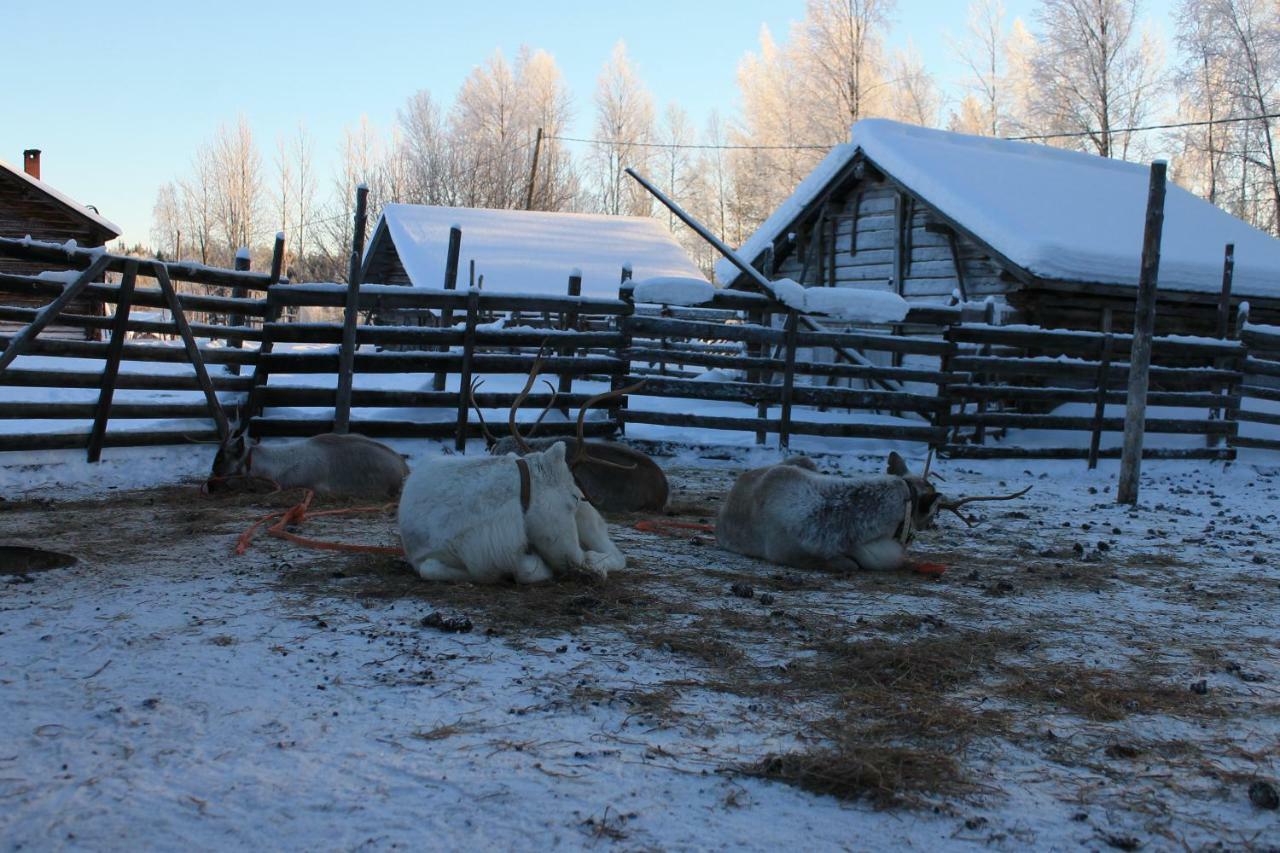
(850, 770)
(1103, 695)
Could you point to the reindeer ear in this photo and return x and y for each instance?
(555, 453)
(897, 466)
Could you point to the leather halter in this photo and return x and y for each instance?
(526, 483)
(907, 530)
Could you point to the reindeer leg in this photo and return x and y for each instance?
(531, 568)
(432, 569)
(602, 556)
(880, 555)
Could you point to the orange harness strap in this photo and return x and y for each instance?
(297, 514)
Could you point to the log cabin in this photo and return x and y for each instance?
(29, 207)
(1055, 236)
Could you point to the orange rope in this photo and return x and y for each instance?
(297, 514)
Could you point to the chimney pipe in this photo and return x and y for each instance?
(31, 162)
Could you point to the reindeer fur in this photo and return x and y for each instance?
(642, 487)
(461, 520)
(338, 464)
(792, 515)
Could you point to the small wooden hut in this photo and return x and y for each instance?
(1054, 235)
(29, 207)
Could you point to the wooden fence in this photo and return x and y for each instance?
(1261, 384)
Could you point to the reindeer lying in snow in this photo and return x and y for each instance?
(327, 464)
(490, 518)
(614, 477)
(793, 515)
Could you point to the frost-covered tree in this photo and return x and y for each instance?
(545, 102)
(984, 52)
(916, 98)
(841, 54)
(238, 190)
(167, 222)
(624, 130)
(1095, 72)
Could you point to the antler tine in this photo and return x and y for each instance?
(545, 408)
(928, 461)
(489, 439)
(520, 398)
(954, 505)
(959, 515)
(580, 452)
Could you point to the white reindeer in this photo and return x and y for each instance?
(486, 519)
(336, 464)
(792, 515)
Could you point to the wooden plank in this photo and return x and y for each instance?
(30, 378)
(193, 351)
(464, 375)
(1259, 392)
(427, 362)
(59, 255)
(436, 339)
(924, 434)
(87, 411)
(1087, 343)
(1258, 367)
(967, 451)
(1262, 339)
(804, 395)
(382, 428)
(19, 343)
(107, 390)
(1252, 417)
(149, 296)
(350, 317)
(1087, 370)
(788, 381)
(394, 296)
(662, 327)
(300, 396)
(1181, 399)
(86, 321)
(157, 352)
(1018, 420)
(1255, 443)
(677, 355)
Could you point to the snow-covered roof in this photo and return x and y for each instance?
(75, 206)
(533, 251)
(1057, 214)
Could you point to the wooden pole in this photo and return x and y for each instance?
(107, 387)
(464, 377)
(350, 317)
(569, 320)
(242, 264)
(450, 283)
(193, 351)
(533, 173)
(616, 406)
(1224, 300)
(1144, 320)
(788, 382)
(1104, 370)
(757, 351)
(50, 312)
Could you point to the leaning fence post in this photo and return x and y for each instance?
(1104, 372)
(450, 283)
(351, 316)
(1144, 320)
(107, 385)
(464, 375)
(788, 381)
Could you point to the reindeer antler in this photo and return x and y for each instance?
(580, 454)
(489, 439)
(954, 506)
(520, 398)
(546, 408)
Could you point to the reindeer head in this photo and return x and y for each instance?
(926, 500)
(232, 456)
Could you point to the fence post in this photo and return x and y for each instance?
(1144, 320)
(351, 316)
(943, 419)
(464, 376)
(1104, 373)
(989, 318)
(624, 351)
(569, 322)
(1232, 409)
(1224, 317)
(107, 385)
(255, 402)
(242, 264)
(788, 381)
(450, 283)
(761, 351)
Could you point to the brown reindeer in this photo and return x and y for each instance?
(613, 476)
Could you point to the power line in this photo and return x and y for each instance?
(1026, 138)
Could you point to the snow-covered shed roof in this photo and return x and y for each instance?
(531, 251)
(1059, 215)
(74, 206)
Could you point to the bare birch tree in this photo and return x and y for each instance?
(624, 128)
(984, 52)
(237, 169)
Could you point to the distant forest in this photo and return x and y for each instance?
(1081, 74)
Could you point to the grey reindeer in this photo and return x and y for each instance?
(332, 463)
(612, 476)
(793, 515)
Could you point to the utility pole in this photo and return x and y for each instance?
(533, 174)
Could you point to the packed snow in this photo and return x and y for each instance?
(862, 306)
(674, 290)
(1059, 214)
(521, 251)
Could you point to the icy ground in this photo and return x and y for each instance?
(1081, 675)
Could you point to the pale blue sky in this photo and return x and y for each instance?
(119, 96)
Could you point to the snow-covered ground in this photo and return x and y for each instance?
(1083, 674)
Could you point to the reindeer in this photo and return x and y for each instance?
(331, 463)
(496, 517)
(790, 514)
(614, 477)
